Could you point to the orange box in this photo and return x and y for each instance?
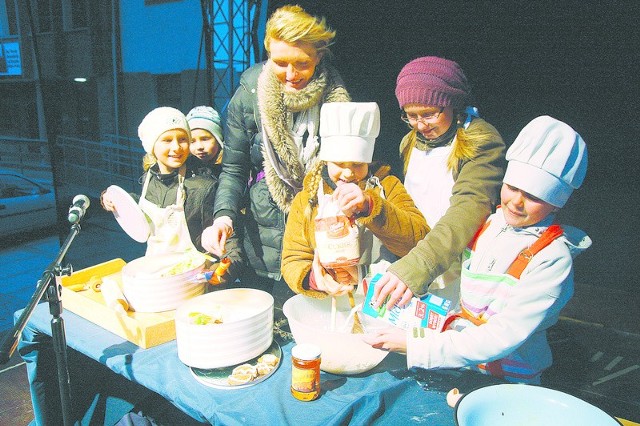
(142, 328)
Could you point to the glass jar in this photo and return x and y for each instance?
(305, 371)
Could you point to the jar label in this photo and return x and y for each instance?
(303, 380)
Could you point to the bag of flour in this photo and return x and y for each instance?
(337, 240)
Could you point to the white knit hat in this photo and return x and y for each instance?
(548, 160)
(159, 121)
(348, 131)
(207, 118)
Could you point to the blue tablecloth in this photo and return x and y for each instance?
(389, 393)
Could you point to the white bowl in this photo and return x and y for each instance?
(342, 351)
(517, 404)
(246, 330)
(147, 291)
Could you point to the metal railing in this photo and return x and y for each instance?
(27, 156)
(94, 165)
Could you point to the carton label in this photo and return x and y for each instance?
(429, 311)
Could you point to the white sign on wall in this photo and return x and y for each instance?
(10, 63)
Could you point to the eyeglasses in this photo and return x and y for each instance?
(429, 117)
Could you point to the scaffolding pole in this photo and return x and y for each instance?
(232, 45)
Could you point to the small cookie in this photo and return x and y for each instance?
(269, 359)
(245, 369)
(239, 379)
(263, 368)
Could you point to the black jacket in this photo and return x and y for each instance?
(200, 193)
(243, 195)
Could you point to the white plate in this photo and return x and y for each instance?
(129, 214)
(217, 377)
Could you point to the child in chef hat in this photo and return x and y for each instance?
(177, 205)
(520, 271)
(207, 141)
(389, 222)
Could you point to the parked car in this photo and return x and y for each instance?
(25, 204)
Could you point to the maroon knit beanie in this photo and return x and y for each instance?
(432, 81)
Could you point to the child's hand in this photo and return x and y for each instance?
(325, 282)
(351, 199)
(390, 285)
(389, 339)
(347, 275)
(106, 202)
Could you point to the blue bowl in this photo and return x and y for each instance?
(519, 404)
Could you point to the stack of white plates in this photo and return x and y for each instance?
(245, 330)
(150, 285)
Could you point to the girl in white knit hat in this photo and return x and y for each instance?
(390, 224)
(177, 205)
(518, 272)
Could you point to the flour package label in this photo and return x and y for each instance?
(429, 311)
(337, 237)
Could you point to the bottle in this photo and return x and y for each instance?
(214, 277)
(305, 371)
(222, 268)
(113, 297)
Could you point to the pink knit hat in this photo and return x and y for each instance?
(432, 81)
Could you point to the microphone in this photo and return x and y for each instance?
(77, 210)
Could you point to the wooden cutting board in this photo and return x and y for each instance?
(142, 328)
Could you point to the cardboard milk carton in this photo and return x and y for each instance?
(429, 311)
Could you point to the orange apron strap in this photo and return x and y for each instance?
(524, 257)
(495, 368)
(474, 240)
(463, 314)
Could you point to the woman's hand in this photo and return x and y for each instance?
(351, 199)
(106, 202)
(325, 282)
(389, 339)
(393, 287)
(215, 236)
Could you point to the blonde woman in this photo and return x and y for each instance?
(271, 137)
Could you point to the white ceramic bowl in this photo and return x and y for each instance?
(518, 404)
(147, 291)
(342, 351)
(246, 330)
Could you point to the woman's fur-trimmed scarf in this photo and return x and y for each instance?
(274, 104)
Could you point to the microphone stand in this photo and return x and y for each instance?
(48, 284)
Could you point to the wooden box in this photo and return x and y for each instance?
(144, 329)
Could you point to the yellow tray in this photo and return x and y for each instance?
(144, 329)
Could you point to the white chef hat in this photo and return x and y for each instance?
(207, 118)
(159, 121)
(348, 131)
(548, 160)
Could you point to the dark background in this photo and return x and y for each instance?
(576, 61)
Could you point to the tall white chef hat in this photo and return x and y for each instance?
(548, 160)
(348, 131)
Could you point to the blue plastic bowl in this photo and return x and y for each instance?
(519, 404)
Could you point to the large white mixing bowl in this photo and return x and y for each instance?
(246, 330)
(148, 286)
(342, 351)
